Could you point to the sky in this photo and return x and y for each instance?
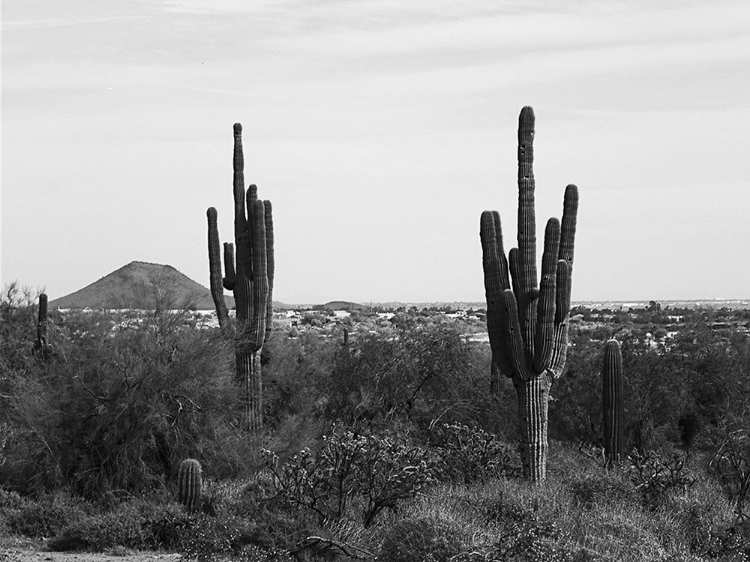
(380, 130)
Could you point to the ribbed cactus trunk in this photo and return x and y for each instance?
(189, 484)
(527, 318)
(533, 405)
(249, 376)
(612, 402)
(249, 271)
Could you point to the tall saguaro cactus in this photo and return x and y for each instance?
(249, 270)
(612, 402)
(527, 318)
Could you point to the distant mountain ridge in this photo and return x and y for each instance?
(141, 285)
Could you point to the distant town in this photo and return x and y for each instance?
(662, 319)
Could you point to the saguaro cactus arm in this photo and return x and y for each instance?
(230, 276)
(258, 310)
(270, 265)
(496, 280)
(214, 263)
(545, 325)
(525, 257)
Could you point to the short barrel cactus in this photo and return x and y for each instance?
(189, 482)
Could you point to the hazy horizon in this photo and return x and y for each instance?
(285, 302)
(380, 131)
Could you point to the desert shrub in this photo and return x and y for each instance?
(531, 540)
(525, 530)
(44, 516)
(704, 519)
(207, 537)
(468, 454)
(268, 521)
(152, 524)
(292, 377)
(121, 404)
(166, 524)
(265, 535)
(427, 539)
(10, 503)
(674, 390)
(730, 463)
(412, 375)
(18, 317)
(575, 413)
(372, 472)
(655, 477)
(103, 531)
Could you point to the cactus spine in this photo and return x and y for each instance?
(612, 402)
(249, 271)
(189, 482)
(528, 324)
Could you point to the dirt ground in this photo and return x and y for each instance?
(26, 551)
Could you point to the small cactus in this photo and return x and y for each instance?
(40, 344)
(189, 481)
(612, 402)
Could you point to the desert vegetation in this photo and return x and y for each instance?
(378, 438)
(386, 444)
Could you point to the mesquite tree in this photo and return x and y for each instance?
(528, 322)
(251, 281)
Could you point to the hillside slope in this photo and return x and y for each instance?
(141, 285)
